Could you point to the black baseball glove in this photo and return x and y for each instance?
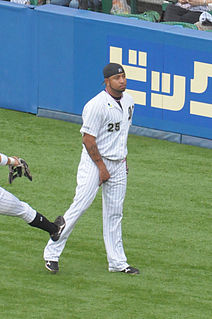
(19, 171)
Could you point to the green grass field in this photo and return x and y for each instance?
(166, 230)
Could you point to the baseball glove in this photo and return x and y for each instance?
(19, 171)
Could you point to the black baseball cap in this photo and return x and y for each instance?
(112, 69)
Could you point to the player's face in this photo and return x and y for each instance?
(116, 84)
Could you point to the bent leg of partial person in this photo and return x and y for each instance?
(86, 190)
(113, 194)
(10, 205)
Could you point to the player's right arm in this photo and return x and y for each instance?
(90, 143)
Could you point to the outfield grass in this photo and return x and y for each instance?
(166, 231)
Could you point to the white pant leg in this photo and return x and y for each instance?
(113, 193)
(86, 190)
(12, 206)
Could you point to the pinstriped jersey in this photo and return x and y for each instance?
(109, 123)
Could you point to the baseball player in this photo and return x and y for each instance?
(106, 121)
(12, 206)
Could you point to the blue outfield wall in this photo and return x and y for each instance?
(52, 57)
(17, 57)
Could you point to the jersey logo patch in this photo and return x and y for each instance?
(110, 105)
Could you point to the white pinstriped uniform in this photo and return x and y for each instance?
(12, 206)
(104, 119)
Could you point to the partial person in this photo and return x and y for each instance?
(187, 11)
(10, 205)
(106, 121)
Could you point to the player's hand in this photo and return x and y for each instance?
(103, 175)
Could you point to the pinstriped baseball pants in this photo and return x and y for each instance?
(113, 194)
(12, 206)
